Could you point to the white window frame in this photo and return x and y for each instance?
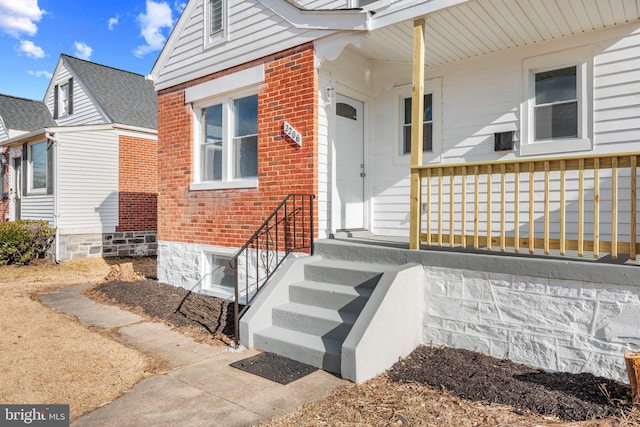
(227, 180)
(582, 59)
(433, 87)
(30, 170)
(221, 36)
(236, 85)
(63, 99)
(208, 284)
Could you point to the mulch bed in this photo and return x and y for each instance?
(466, 374)
(177, 306)
(477, 377)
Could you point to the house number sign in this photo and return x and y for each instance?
(292, 133)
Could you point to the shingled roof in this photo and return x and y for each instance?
(126, 97)
(24, 114)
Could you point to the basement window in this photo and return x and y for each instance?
(219, 277)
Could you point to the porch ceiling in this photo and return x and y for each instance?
(480, 27)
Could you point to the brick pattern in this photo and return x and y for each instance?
(229, 217)
(138, 184)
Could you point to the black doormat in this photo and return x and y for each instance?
(274, 367)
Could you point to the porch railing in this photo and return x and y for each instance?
(581, 204)
(288, 229)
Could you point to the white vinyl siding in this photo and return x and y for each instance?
(253, 31)
(37, 208)
(88, 180)
(85, 111)
(481, 97)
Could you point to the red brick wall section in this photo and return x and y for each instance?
(4, 183)
(138, 184)
(229, 217)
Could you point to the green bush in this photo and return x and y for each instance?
(24, 240)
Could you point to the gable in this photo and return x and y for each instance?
(254, 29)
(102, 95)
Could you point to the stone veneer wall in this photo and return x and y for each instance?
(555, 324)
(133, 243)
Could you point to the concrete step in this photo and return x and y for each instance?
(344, 272)
(321, 352)
(330, 295)
(313, 320)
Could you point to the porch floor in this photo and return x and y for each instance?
(402, 242)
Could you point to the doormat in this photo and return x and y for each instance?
(274, 367)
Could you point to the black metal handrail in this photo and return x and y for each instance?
(288, 229)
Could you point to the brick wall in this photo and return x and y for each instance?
(229, 217)
(138, 184)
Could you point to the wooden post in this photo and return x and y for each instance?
(632, 359)
(417, 107)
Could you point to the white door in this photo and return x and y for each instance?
(350, 168)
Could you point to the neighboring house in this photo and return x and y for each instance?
(17, 116)
(85, 159)
(510, 89)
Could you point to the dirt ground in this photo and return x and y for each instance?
(48, 357)
(433, 386)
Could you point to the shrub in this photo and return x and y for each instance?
(23, 241)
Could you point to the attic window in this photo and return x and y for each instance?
(63, 99)
(215, 16)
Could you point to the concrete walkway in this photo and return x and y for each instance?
(201, 388)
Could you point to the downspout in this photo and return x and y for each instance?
(56, 250)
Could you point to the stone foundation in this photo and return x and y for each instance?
(122, 244)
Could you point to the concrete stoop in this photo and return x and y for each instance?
(319, 311)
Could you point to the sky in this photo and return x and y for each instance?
(124, 34)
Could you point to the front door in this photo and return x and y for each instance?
(350, 171)
(16, 190)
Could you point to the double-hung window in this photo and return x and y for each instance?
(557, 110)
(38, 167)
(63, 99)
(228, 142)
(431, 122)
(427, 125)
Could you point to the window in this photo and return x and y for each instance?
(215, 22)
(556, 104)
(427, 125)
(63, 108)
(221, 272)
(219, 278)
(63, 99)
(431, 122)
(229, 140)
(38, 167)
(215, 16)
(556, 113)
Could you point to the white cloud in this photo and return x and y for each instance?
(20, 17)
(113, 22)
(179, 6)
(83, 50)
(40, 73)
(157, 17)
(30, 49)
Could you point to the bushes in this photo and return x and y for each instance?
(23, 241)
